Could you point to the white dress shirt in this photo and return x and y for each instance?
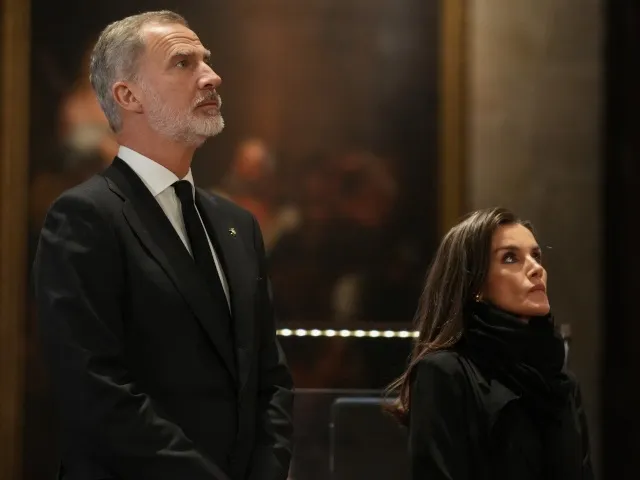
(160, 182)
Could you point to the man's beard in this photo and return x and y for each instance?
(184, 126)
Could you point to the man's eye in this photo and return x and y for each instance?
(181, 64)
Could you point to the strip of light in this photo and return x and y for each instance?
(344, 333)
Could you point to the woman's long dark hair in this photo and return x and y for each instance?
(456, 275)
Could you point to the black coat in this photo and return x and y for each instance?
(152, 382)
(466, 426)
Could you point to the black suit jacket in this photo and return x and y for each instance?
(152, 380)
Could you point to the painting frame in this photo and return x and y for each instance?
(14, 167)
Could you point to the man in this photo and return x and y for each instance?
(153, 298)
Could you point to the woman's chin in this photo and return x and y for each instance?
(536, 309)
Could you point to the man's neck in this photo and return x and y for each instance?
(173, 156)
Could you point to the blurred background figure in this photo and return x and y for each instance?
(366, 192)
(89, 144)
(367, 189)
(252, 182)
(302, 289)
(85, 144)
(359, 264)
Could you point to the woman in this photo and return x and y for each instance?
(486, 394)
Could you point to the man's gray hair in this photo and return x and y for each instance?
(115, 57)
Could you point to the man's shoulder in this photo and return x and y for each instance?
(93, 192)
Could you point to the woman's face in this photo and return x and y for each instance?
(516, 281)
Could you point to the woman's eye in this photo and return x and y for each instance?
(509, 258)
(537, 256)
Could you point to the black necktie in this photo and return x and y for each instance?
(200, 248)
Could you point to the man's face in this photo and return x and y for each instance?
(178, 85)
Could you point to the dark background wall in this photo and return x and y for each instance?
(621, 283)
(535, 86)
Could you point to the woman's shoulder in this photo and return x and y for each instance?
(571, 376)
(451, 366)
(574, 383)
(442, 376)
(442, 362)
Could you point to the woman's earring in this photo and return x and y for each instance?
(478, 298)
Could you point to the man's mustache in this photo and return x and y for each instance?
(211, 96)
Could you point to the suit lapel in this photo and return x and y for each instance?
(229, 245)
(154, 230)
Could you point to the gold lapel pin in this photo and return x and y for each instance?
(233, 232)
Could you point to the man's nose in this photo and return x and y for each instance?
(209, 80)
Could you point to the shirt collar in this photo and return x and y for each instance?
(156, 177)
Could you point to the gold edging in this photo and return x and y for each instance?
(14, 167)
(451, 117)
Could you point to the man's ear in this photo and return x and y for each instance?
(126, 97)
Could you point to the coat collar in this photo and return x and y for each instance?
(493, 395)
(155, 177)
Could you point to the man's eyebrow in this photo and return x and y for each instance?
(191, 52)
